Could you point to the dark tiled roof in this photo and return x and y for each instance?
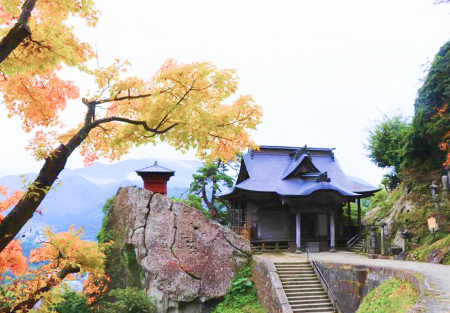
(155, 169)
(294, 171)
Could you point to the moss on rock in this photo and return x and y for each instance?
(121, 263)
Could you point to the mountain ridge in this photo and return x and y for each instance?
(82, 192)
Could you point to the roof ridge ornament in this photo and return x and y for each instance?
(323, 178)
(303, 150)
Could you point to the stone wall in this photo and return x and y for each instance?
(268, 284)
(350, 283)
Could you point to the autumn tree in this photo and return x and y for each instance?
(60, 255)
(183, 104)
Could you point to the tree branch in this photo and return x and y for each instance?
(51, 283)
(96, 102)
(18, 33)
(130, 121)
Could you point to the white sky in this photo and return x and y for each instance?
(323, 71)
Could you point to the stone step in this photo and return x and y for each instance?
(322, 304)
(291, 263)
(294, 293)
(297, 277)
(302, 289)
(294, 270)
(299, 268)
(313, 310)
(297, 273)
(309, 301)
(306, 283)
(302, 280)
(298, 295)
(301, 274)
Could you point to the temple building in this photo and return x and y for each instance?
(295, 196)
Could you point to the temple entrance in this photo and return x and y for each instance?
(314, 226)
(308, 226)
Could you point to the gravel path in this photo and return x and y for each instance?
(436, 276)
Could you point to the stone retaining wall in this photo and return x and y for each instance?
(350, 283)
(268, 284)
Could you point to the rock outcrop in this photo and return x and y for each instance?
(188, 261)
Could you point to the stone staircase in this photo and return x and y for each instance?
(357, 247)
(303, 288)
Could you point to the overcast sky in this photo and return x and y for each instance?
(323, 71)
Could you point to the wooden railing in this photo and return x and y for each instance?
(324, 283)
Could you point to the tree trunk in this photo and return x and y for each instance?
(36, 192)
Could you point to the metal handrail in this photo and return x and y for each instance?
(352, 241)
(324, 283)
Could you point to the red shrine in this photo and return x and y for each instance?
(155, 178)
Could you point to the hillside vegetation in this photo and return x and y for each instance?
(416, 151)
(392, 296)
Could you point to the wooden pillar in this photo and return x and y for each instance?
(298, 242)
(332, 231)
(359, 217)
(349, 213)
(231, 213)
(239, 215)
(249, 216)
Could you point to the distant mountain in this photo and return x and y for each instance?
(80, 197)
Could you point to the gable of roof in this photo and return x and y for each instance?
(299, 166)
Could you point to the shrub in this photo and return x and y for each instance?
(74, 302)
(241, 297)
(128, 300)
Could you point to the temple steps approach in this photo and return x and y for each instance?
(357, 247)
(303, 289)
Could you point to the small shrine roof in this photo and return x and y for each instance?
(155, 168)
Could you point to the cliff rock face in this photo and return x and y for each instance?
(188, 261)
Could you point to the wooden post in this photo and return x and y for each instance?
(239, 215)
(332, 232)
(349, 213)
(298, 242)
(249, 217)
(359, 217)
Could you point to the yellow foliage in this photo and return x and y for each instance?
(64, 255)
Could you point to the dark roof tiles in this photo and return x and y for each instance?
(274, 170)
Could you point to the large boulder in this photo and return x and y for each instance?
(188, 260)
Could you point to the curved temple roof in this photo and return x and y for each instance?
(296, 171)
